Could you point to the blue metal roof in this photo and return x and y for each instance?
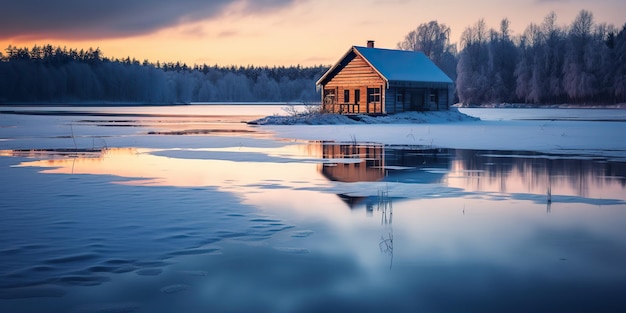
(396, 65)
(401, 65)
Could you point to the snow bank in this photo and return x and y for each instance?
(581, 138)
(452, 115)
(543, 106)
(304, 119)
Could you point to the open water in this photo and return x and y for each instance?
(186, 209)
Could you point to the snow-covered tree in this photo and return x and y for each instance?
(433, 39)
(619, 63)
(578, 70)
(472, 83)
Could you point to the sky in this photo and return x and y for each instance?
(263, 32)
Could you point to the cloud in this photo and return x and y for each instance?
(81, 19)
(228, 33)
(319, 60)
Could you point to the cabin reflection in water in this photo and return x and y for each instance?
(373, 162)
(353, 163)
(510, 172)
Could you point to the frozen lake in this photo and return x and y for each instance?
(187, 209)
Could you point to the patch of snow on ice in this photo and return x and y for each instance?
(452, 115)
(304, 119)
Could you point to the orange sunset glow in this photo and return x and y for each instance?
(267, 32)
(145, 167)
(204, 168)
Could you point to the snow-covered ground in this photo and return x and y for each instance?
(548, 106)
(452, 115)
(536, 130)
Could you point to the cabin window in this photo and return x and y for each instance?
(357, 96)
(373, 94)
(346, 96)
(433, 96)
(400, 97)
(329, 95)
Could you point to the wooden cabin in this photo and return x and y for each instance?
(369, 80)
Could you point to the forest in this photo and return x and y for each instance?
(582, 63)
(548, 63)
(50, 74)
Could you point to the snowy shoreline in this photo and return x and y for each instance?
(296, 103)
(541, 106)
(452, 115)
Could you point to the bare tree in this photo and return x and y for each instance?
(433, 39)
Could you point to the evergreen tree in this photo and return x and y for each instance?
(53, 74)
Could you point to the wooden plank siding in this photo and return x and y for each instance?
(390, 101)
(357, 74)
(443, 99)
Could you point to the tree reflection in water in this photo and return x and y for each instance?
(540, 177)
(385, 208)
(552, 176)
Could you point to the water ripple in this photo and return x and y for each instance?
(174, 288)
(108, 308)
(43, 291)
(72, 258)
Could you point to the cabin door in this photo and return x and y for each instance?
(373, 101)
(417, 100)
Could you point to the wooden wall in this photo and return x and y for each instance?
(416, 99)
(356, 74)
(391, 103)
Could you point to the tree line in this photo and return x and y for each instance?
(580, 63)
(50, 74)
